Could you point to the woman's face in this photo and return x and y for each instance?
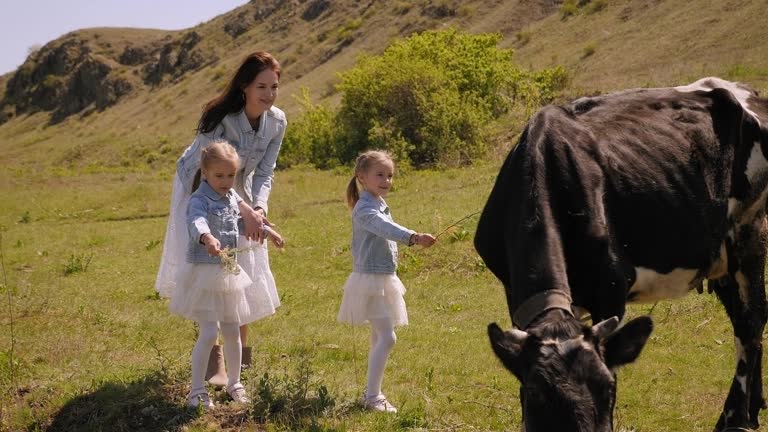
(261, 93)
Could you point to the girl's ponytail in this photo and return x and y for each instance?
(353, 195)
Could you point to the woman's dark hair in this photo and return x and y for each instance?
(232, 100)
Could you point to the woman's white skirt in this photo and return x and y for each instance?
(370, 296)
(175, 244)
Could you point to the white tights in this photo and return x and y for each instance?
(383, 339)
(230, 332)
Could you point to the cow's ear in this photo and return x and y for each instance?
(508, 345)
(625, 344)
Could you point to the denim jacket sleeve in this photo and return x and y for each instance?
(372, 220)
(197, 222)
(265, 170)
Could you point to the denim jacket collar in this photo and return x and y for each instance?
(208, 191)
(367, 196)
(245, 125)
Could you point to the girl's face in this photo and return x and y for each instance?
(377, 180)
(261, 93)
(220, 175)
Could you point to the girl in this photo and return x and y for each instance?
(209, 292)
(244, 116)
(373, 293)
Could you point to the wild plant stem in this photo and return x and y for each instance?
(456, 223)
(10, 315)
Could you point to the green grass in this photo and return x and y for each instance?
(97, 350)
(85, 204)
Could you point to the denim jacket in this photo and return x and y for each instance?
(374, 234)
(257, 150)
(209, 212)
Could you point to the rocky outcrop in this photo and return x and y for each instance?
(238, 24)
(67, 77)
(132, 56)
(37, 84)
(174, 59)
(89, 86)
(265, 9)
(314, 9)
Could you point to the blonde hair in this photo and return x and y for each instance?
(362, 164)
(217, 151)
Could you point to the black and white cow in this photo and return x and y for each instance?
(632, 196)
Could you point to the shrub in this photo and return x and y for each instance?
(596, 6)
(568, 8)
(425, 98)
(310, 138)
(428, 99)
(77, 263)
(588, 50)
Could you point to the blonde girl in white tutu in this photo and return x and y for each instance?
(245, 116)
(373, 294)
(211, 287)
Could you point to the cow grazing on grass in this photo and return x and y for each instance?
(633, 196)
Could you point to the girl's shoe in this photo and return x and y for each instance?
(200, 398)
(238, 394)
(379, 403)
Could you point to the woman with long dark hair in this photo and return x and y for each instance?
(243, 115)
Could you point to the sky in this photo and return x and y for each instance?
(36, 22)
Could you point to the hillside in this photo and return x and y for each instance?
(125, 99)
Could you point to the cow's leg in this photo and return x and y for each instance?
(742, 293)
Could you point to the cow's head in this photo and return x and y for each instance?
(567, 370)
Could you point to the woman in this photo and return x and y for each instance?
(244, 116)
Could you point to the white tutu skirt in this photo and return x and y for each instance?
(370, 296)
(207, 292)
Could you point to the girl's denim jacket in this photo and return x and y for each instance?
(209, 212)
(258, 152)
(374, 234)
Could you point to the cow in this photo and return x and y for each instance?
(632, 196)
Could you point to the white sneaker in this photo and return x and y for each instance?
(238, 394)
(200, 398)
(379, 403)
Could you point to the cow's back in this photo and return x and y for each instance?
(599, 187)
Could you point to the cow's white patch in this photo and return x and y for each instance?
(562, 348)
(756, 164)
(711, 83)
(651, 286)
(719, 267)
(554, 346)
(741, 355)
(743, 283)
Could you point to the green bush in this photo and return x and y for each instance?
(310, 138)
(428, 99)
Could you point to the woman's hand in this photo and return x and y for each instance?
(254, 221)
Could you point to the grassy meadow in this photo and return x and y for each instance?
(86, 344)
